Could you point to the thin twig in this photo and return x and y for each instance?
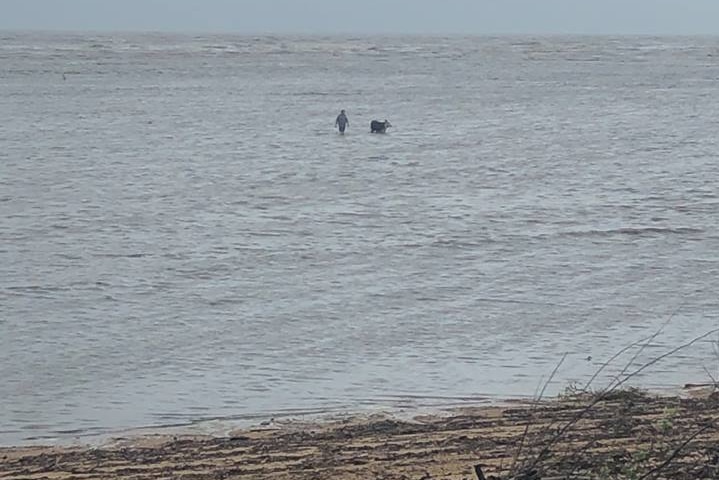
(714, 381)
(648, 342)
(586, 447)
(665, 355)
(512, 469)
(645, 342)
(601, 396)
(609, 362)
(657, 470)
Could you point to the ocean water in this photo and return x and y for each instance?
(184, 236)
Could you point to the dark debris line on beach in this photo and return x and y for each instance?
(624, 437)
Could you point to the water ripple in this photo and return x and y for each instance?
(185, 238)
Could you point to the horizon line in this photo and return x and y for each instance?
(300, 33)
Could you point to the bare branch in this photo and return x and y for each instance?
(656, 471)
(645, 342)
(601, 396)
(538, 399)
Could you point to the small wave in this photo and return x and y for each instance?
(36, 289)
(310, 94)
(121, 255)
(634, 231)
(455, 244)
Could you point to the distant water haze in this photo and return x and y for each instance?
(184, 236)
(682, 17)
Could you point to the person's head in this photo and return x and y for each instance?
(342, 111)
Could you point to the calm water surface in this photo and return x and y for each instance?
(183, 235)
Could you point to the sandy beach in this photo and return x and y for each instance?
(625, 435)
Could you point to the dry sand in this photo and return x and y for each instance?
(625, 436)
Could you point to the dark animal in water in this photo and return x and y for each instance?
(379, 127)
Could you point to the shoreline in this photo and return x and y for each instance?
(630, 427)
(401, 408)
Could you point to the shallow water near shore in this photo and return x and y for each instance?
(184, 237)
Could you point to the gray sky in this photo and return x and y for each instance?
(367, 16)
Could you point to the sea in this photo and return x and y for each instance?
(186, 239)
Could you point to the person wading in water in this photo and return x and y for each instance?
(342, 122)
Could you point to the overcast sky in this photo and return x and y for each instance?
(367, 16)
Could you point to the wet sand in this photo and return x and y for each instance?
(626, 435)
